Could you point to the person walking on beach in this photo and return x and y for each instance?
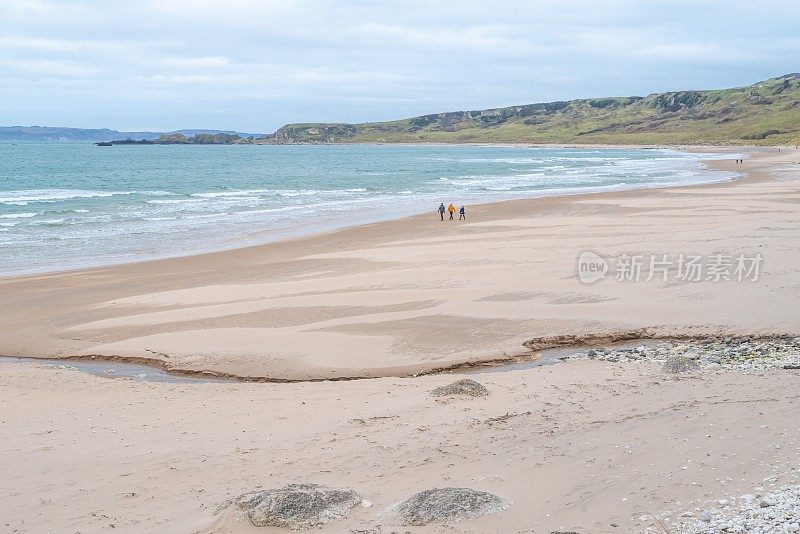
(441, 210)
(462, 214)
(452, 210)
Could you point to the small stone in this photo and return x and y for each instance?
(767, 502)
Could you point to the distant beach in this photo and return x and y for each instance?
(72, 205)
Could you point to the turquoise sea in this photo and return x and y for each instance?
(67, 205)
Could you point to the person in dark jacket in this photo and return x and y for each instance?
(441, 210)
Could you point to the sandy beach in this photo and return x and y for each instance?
(403, 297)
(583, 446)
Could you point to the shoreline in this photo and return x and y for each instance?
(178, 313)
(271, 237)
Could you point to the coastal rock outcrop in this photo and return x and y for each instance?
(443, 505)
(296, 506)
(465, 386)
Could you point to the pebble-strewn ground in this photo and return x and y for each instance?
(770, 511)
(776, 512)
(745, 354)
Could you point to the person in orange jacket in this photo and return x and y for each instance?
(452, 210)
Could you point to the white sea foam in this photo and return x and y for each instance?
(18, 215)
(269, 210)
(206, 216)
(281, 192)
(22, 197)
(176, 201)
(238, 193)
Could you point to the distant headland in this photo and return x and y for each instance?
(181, 139)
(765, 113)
(98, 135)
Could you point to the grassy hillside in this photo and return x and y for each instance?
(764, 113)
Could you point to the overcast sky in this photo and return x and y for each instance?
(254, 65)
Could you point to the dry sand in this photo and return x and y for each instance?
(577, 446)
(585, 444)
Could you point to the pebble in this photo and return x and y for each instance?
(766, 502)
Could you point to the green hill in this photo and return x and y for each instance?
(764, 113)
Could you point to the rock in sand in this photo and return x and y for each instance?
(297, 506)
(446, 505)
(465, 386)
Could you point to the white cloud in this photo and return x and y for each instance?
(47, 68)
(484, 38)
(265, 62)
(205, 62)
(703, 52)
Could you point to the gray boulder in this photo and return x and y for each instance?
(679, 364)
(296, 506)
(465, 386)
(447, 505)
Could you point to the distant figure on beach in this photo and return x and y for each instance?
(452, 210)
(441, 210)
(462, 214)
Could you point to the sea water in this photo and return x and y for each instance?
(69, 205)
